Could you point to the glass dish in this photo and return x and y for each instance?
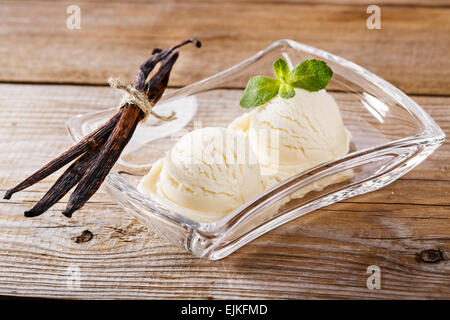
(391, 134)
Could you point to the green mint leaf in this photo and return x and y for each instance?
(281, 70)
(259, 90)
(311, 75)
(286, 91)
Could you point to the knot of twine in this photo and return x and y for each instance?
(138, 98)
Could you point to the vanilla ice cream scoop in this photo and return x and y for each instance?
(293, 135)
(208, 173)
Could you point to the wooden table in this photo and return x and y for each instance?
(49, 73)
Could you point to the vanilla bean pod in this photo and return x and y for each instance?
(74, 152)
(65, 182)
(98, 152)
(118, 139)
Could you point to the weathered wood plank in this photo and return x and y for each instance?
(318, 256)
(410, 51)
(322, 255)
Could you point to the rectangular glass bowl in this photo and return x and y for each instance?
(391, 134)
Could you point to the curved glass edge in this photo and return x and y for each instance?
(75, 123)
(405, 156)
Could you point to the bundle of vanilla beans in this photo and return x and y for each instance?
(96, 153)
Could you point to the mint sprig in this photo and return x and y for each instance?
(311, 75)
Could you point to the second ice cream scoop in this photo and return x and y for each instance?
(293, 135)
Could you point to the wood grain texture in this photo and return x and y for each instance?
(411, 50)
(322, 255)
